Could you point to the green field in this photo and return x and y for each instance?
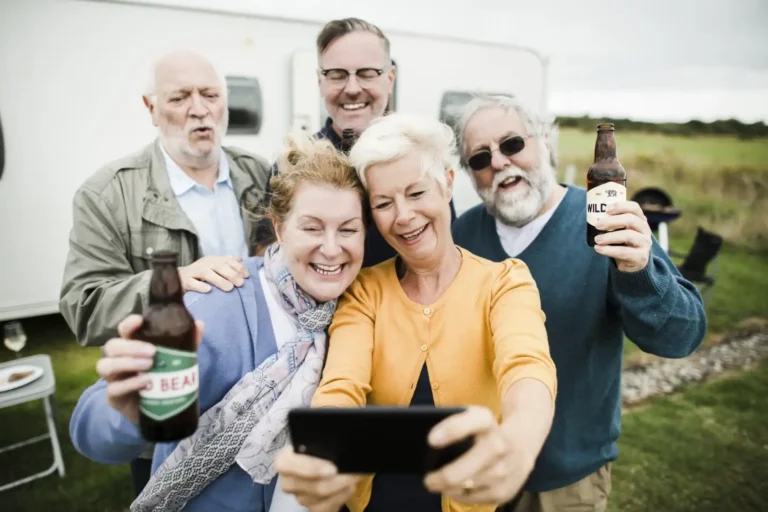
(702, 450)
(719, 183)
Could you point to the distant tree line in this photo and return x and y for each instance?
(732, 127)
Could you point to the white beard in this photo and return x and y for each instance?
(522, 204)
(175, 141)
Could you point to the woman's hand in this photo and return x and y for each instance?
(315, 482)
(122, 365)
(492, 471)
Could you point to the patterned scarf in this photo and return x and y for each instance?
(249, 425)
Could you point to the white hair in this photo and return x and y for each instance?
(394, 136)
(150, 84)
(534, 123)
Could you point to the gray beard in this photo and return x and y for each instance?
(523, 204)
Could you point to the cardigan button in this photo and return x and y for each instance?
(435, 386)
(427, 311)
(423, 348)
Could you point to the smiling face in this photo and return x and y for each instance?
(323, 246)
(514, 188)
(354, 102)
(411, 209)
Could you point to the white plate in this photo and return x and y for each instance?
(6, 373)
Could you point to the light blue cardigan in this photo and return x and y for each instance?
(238, 336)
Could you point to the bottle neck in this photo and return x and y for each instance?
(165, 285)
(605, 147)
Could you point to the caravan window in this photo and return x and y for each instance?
(453, 102)
(246, 109)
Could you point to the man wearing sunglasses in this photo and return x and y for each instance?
(356, 76)
(592, 297)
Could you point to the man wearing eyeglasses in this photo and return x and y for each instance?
(592, 297)
(356, 76)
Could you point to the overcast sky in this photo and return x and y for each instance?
(646, 59)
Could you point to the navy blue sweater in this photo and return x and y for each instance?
(590, 305)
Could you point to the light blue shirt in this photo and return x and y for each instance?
(215, 214)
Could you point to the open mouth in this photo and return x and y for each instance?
(203, 130)
(414, 236)
(327, 270)
(510, 182)
(350, 107)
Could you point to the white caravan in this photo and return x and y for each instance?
(71, 78)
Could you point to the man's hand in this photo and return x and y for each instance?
(223, 272)
(630, 238)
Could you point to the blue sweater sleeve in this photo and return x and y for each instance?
(226, 353)
(661, 312)
(100, 432)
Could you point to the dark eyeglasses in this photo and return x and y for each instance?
(338, 77)
(508, 147)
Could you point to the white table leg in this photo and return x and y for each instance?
(49, 418)
(663, 236)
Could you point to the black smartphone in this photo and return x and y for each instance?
(374, 439)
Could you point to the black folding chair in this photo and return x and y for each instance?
(700, 264)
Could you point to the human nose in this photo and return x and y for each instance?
(403, 212)
(352, 87)
(197, 108)
(331, 247)
(499, 160)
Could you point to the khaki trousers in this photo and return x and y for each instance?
(590, 494)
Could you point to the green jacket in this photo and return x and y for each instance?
(121, 215)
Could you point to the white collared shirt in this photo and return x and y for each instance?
(215, 214)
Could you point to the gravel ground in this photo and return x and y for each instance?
(666, 375)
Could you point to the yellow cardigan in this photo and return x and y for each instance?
(482, 335)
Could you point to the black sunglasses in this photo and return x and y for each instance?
(508, 147)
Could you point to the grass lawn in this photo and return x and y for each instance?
(719, 183)
(701, 450)
(87, 486)
(740, 291)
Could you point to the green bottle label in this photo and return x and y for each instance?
(173, 385)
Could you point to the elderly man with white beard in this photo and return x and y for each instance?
(592, 297)
(183, 192)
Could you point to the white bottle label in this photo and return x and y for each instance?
(602, 196)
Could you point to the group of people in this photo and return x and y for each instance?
(385, 298)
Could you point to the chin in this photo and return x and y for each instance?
(519, 214)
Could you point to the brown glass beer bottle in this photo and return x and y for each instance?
(169, 407)
(606, 180)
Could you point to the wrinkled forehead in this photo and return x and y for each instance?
(493, 124)
(355, 50)
(399, 175)
(186, 75)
